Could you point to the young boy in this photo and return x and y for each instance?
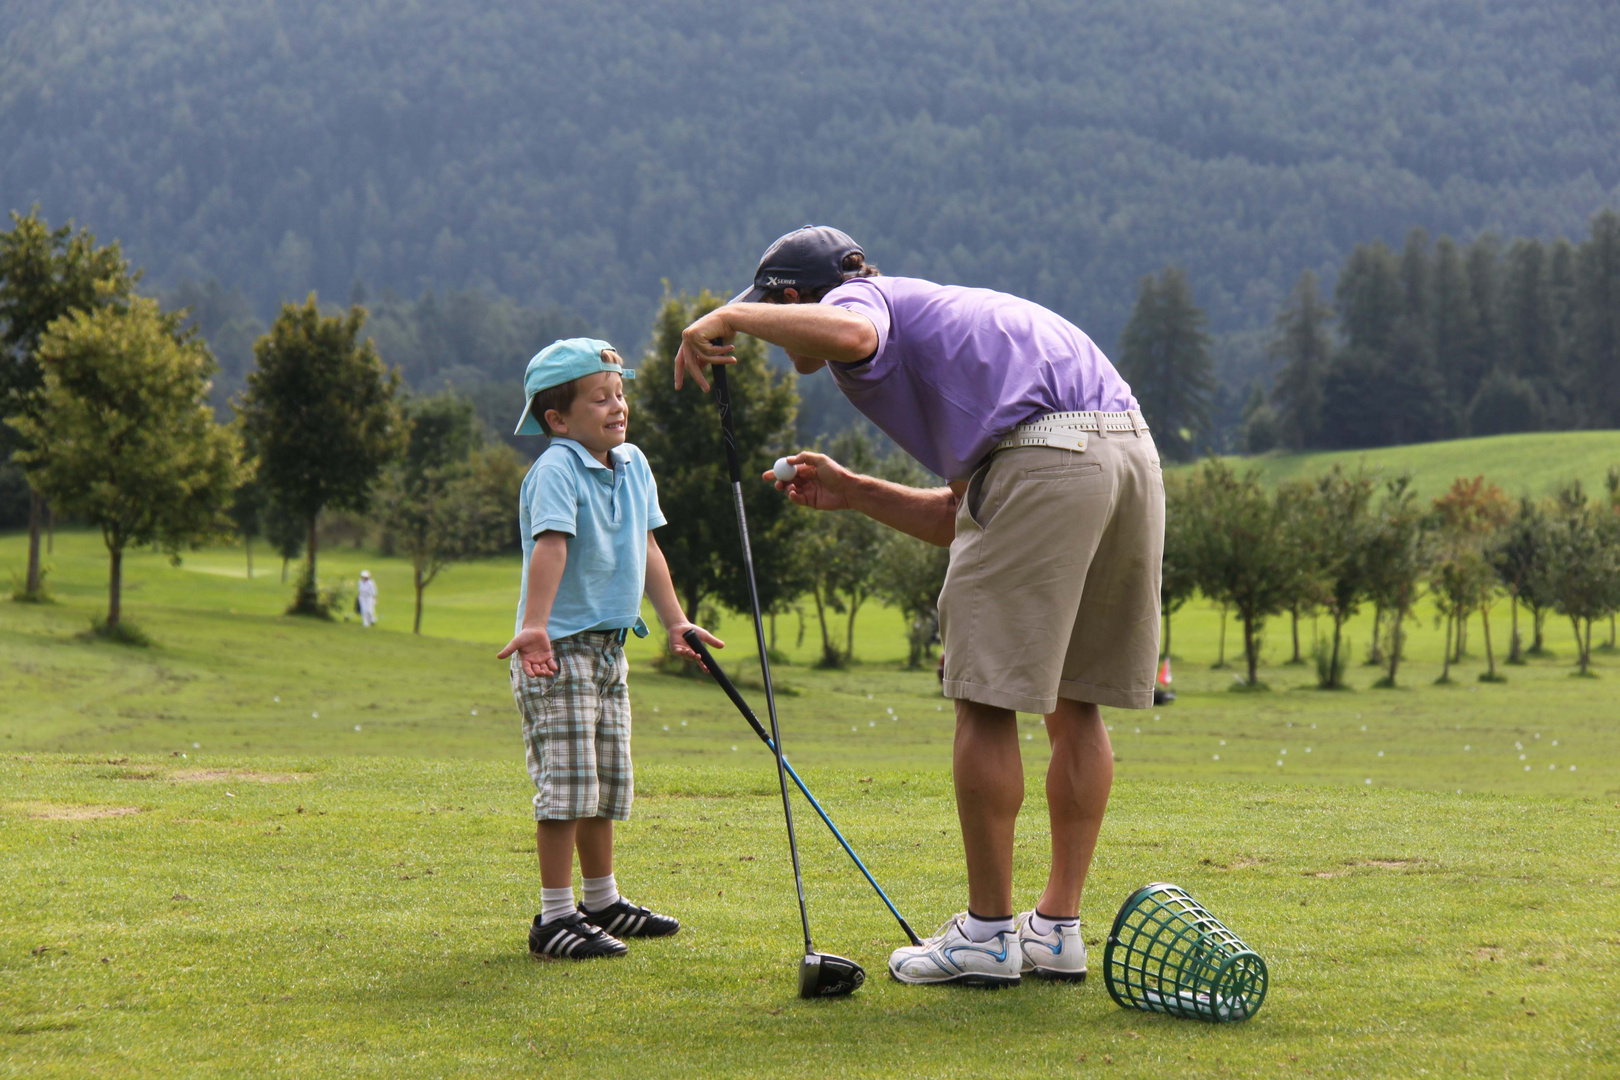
(586, 512)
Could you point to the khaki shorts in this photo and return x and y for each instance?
(576, 729)
(1053, 586)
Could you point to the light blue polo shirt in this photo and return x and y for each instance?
(605, 514)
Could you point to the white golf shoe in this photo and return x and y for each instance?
(950, 956)
(1058, 955)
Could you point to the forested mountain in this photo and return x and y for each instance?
(574, 155)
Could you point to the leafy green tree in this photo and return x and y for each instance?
(1484, 265)
(45, 274)
(1164, 354)
(1396, 558)
(1345, 524)
(121, 434)
(1178, 575)
(1303, 345)
(1518, 553)
(680, 434)
(321, 411)
(1369, 295)
(1463, 579)
(1245, 552)
(1585, 566)
(247, 510)
(1299, 514)
(851, 548)
(448, 499)
(1597, 320)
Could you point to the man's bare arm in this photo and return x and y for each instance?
(822, 484)
(808, 332)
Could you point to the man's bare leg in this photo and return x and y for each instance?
(1077, 784)
(989, 790)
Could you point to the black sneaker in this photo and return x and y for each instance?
(624, 919)
(572, 938)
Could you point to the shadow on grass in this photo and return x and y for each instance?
(121, 633)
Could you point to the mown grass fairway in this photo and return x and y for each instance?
(1534, 463)
(150, 814)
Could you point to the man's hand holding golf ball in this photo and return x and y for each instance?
(813, 480)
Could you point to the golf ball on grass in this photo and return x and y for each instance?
(784, 471)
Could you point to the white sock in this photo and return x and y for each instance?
(978, 929)
(556, 904)
(601, 892)
(1043, 926)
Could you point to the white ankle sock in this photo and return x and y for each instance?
(978, 929)
(556, 904)
(600, 892)
(1043, 926)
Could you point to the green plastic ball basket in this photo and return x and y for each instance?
(1167, 954)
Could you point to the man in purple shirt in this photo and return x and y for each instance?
(1054, 514)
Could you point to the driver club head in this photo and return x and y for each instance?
(824, 975)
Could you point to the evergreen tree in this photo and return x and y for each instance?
(1485, 289)
(1529, 323)
(1597, 321)
(1561, 282)
(320, 409)
(1456, 328)
(1370, 297)
(44, 275)
(1303, 345)
(1164, 354)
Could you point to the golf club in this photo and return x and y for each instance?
(820, 974)
(713, 668)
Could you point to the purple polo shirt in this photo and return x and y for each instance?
(957, 369)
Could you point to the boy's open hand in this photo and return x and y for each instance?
(533, 646)
(678, 645)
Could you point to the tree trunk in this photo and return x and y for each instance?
(247, 542)
(50, 529)
(312, 545)
(1515, 646)
(416, 572)
(829, 655)
(798, 610)
(1586, 649)
(36, 517)
(849, 631)
(1375, 655)
(1250, 648)
(772, 617)
(1395, 646)
(284, 562)
(1294, 612)
(115, 586)
(1490, 655)
(1220, 659)
(1611, 629)
(1333, 661)
(1445, 653)
(1462, 634)
(1540, 620)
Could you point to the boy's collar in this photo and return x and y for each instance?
(585, 456)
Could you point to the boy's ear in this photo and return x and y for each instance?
(555, 421)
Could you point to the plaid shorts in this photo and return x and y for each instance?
(576, 729)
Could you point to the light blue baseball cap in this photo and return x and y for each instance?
(560, 362)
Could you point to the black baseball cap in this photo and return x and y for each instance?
(806, 259)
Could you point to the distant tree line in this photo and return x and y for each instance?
(1435, 341)
(1331, 546)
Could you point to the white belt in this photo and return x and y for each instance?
(1067, 430)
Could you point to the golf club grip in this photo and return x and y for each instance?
(713, 668)
(728, 429)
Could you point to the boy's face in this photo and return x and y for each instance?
(598, 417)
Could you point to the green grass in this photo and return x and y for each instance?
(1529, 464)
(307, 917)
(150, 814)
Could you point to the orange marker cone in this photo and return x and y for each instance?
(1162, 694)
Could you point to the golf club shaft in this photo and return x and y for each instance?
(728, 431)
(714, 669)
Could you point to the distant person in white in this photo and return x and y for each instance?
(368, 599)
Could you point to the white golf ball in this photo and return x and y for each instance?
(784, 471)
